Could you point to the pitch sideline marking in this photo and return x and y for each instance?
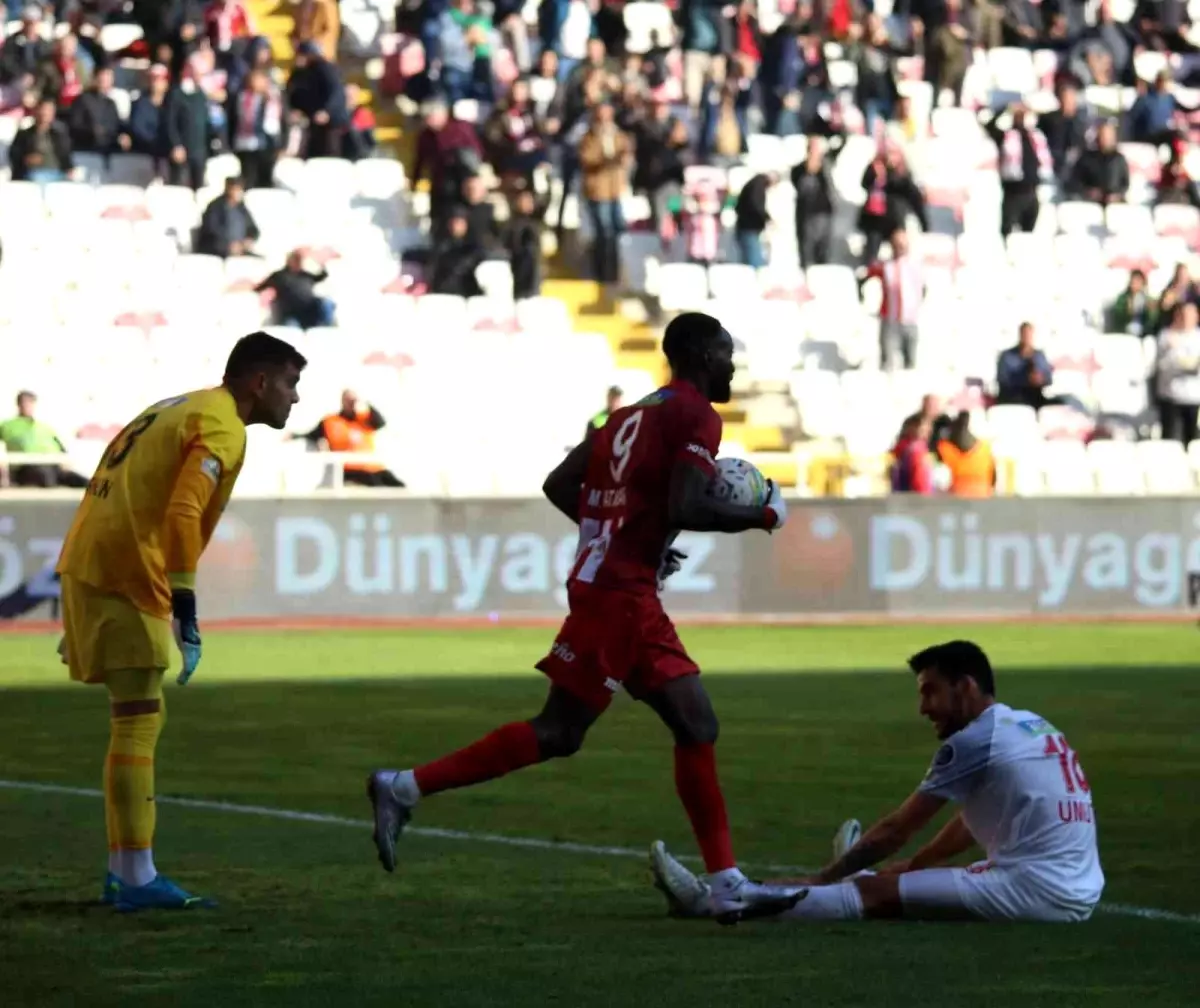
(527, 843)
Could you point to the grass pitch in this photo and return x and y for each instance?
(817, 725)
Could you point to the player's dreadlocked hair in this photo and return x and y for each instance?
(957, 660)
(685, 338)
(261, 350)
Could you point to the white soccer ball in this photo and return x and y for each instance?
(739, 482)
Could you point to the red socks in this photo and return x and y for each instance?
(506, 749)
(700, 791)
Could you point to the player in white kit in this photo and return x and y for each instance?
(1022, 797)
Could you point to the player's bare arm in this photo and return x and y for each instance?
(953, 839)
(691, 508)
(883, 839)
(563, 485)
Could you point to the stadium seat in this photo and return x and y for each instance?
(1165, 467)
(682, 287)
(734, 282)
(1178, 222)
(1013, 423)
(832, 284)
(379, 178)
(1066, 468)
(1081, 218)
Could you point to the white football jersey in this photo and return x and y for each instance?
(1024, 797)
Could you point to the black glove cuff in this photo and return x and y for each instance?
(183, 605)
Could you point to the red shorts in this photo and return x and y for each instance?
(613, 639)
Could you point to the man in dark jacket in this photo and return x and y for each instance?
(42, 152)
(24, 51)
(1102, 173)
(226, 228)
(93, 119)
(523, 243)
(146, 130)
(448, 151)
(752, 218)
(316, 93)
(1025, 163)
(1065, 130)
(296, 304)
(481, 215)
(455, 257)
(176, 23)
(814, 207)
(187, 130)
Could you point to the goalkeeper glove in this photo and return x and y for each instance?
(187, 631)
(776, 507)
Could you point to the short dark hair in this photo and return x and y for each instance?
(957, 660)
(261, 350)
(686, 335)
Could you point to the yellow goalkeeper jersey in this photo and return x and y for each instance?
(155, 499)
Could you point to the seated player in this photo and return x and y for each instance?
(629, 486)
(128, 569)
(1024, 800)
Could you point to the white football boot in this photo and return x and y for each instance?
(727, 896)
(847, 836)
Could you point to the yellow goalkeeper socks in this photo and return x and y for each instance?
(129, 793)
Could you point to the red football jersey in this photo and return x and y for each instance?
(623, 528)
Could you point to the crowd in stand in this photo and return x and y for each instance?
(211, 86)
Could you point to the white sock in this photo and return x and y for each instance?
(832, 902)
(114, 862)
(404, 786)
(135, 867)
(727, 878)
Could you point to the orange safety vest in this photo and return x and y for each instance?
(972, 473)
(344, 435)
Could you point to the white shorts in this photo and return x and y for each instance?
(989, 892)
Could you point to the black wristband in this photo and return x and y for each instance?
(183, 605)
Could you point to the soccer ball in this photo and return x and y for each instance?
(737, 481)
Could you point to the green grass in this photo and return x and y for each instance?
(307, 917)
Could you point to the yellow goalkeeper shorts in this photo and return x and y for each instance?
(103, 632)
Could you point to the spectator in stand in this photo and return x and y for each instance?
(1103, 53)
(948, 46)
(1025, 163)
(745, 32)
(972, 467)
(226, 227)
(24, 434)
(753, 218)
(662, 144)
(1026, 24)
(94, 122)
(814, 206)
(1177, 379)
(24, 51)
(706, 35)
(596, 65)
(454, 259)
(1065, 130)
(613, 400)
(481, 214)
(466, 53)
(891, 196)
(724, 124)
(1135, 311)
(296, 304)
(1175, 185)
(605, 156)
(64, 74)
(873, 54)
(912, 468)
(41, 152)
(522, 236)
(544, 86)
(359, 141)
(256, 129)
(173, 23)
(317, 21)
(227, 22)
(702, 225)
(1102, 173)
(1163, 24)
(1180, 290)
(146, 130)
(569, 30)
(903, 284)
(448, 151)
(515, 144)
(1153, 113)
(353, 429)
(938, 420)
(1023, 372)
(213, 81)
(187, 131)
(317, 98)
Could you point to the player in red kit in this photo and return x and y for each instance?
(630, 486)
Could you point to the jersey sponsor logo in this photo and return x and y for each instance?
(944, 756)
(698, 449)
(656, 398)
(211, 468)
(611, 684)
(1037, 726)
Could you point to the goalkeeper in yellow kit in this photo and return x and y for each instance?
(128, 569)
